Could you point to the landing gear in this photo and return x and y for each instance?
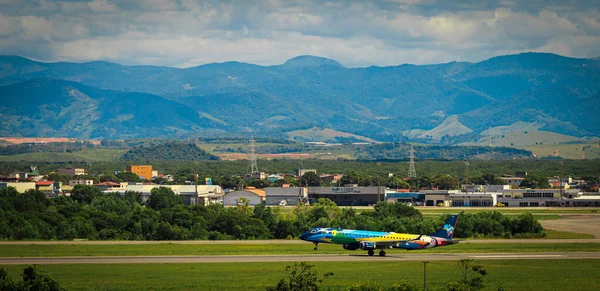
(371, 253)
(381, 253)
(316, 247)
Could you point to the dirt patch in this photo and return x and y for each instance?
(575, 223)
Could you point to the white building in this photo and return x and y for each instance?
(192, 194)
(474, 199)
(81, 182)
(254, 196)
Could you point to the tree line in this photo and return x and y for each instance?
(91, 214)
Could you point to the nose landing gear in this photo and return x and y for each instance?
(316, 247)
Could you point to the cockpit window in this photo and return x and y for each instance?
(313, 231)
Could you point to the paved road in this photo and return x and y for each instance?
(294, 258)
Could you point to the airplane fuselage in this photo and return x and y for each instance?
(365, 240)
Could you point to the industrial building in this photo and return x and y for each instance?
(253, 195)
(192, 194)
(507, 197)
(291, 196)
(348, 196)
(19, 186)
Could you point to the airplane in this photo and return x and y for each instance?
(371, 240)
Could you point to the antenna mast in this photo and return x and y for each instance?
(412, 173)
(253, 166)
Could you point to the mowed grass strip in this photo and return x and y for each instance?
(509, 274)
(556, 234)
(265, 249)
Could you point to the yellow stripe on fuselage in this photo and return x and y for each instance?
(385, 238)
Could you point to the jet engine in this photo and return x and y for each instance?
(367, 245)
(352, 246)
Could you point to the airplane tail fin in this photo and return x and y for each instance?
(447, 231)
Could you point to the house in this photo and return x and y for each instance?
(512, 180)
(330, 178)
(71, 172)
(81, 182)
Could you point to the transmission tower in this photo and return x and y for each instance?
(412, 173)
(253, 166)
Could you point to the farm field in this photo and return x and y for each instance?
(64, 250)
(509, 274)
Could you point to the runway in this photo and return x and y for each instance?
(275, 242)
(296, 258)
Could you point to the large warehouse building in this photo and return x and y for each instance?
(348, 196)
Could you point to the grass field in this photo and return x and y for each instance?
(94, 155)
(510, 274)
(555, 234)
(265, 249)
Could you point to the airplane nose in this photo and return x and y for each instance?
(304, 236)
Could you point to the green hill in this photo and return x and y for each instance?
(173, 151)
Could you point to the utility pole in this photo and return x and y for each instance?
(378, 184)
(425, 275)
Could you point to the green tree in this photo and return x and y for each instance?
(85, 193)
(535, 182)
(129, 177)
(59, 177)
(301, 277)
(445, 182)
(311, 179)
(36, 279)
(163, 197)
(352, 177)
(471, 279)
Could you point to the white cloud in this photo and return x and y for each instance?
(158, 5)
(356, 33)
(102, 6)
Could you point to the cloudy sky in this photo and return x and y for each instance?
(185, 33)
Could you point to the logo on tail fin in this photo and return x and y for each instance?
(449, 230)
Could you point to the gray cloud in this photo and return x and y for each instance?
(356, 33)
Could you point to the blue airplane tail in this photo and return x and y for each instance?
(447, 231)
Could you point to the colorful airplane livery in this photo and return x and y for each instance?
(371, 240)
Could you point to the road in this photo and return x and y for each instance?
(295, 258)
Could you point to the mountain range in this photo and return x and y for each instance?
(421, 102)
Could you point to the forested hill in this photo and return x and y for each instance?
(168, 152)
(551, 92)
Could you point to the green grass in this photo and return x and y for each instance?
(265, 249)
(555, 234)
(510, 274)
